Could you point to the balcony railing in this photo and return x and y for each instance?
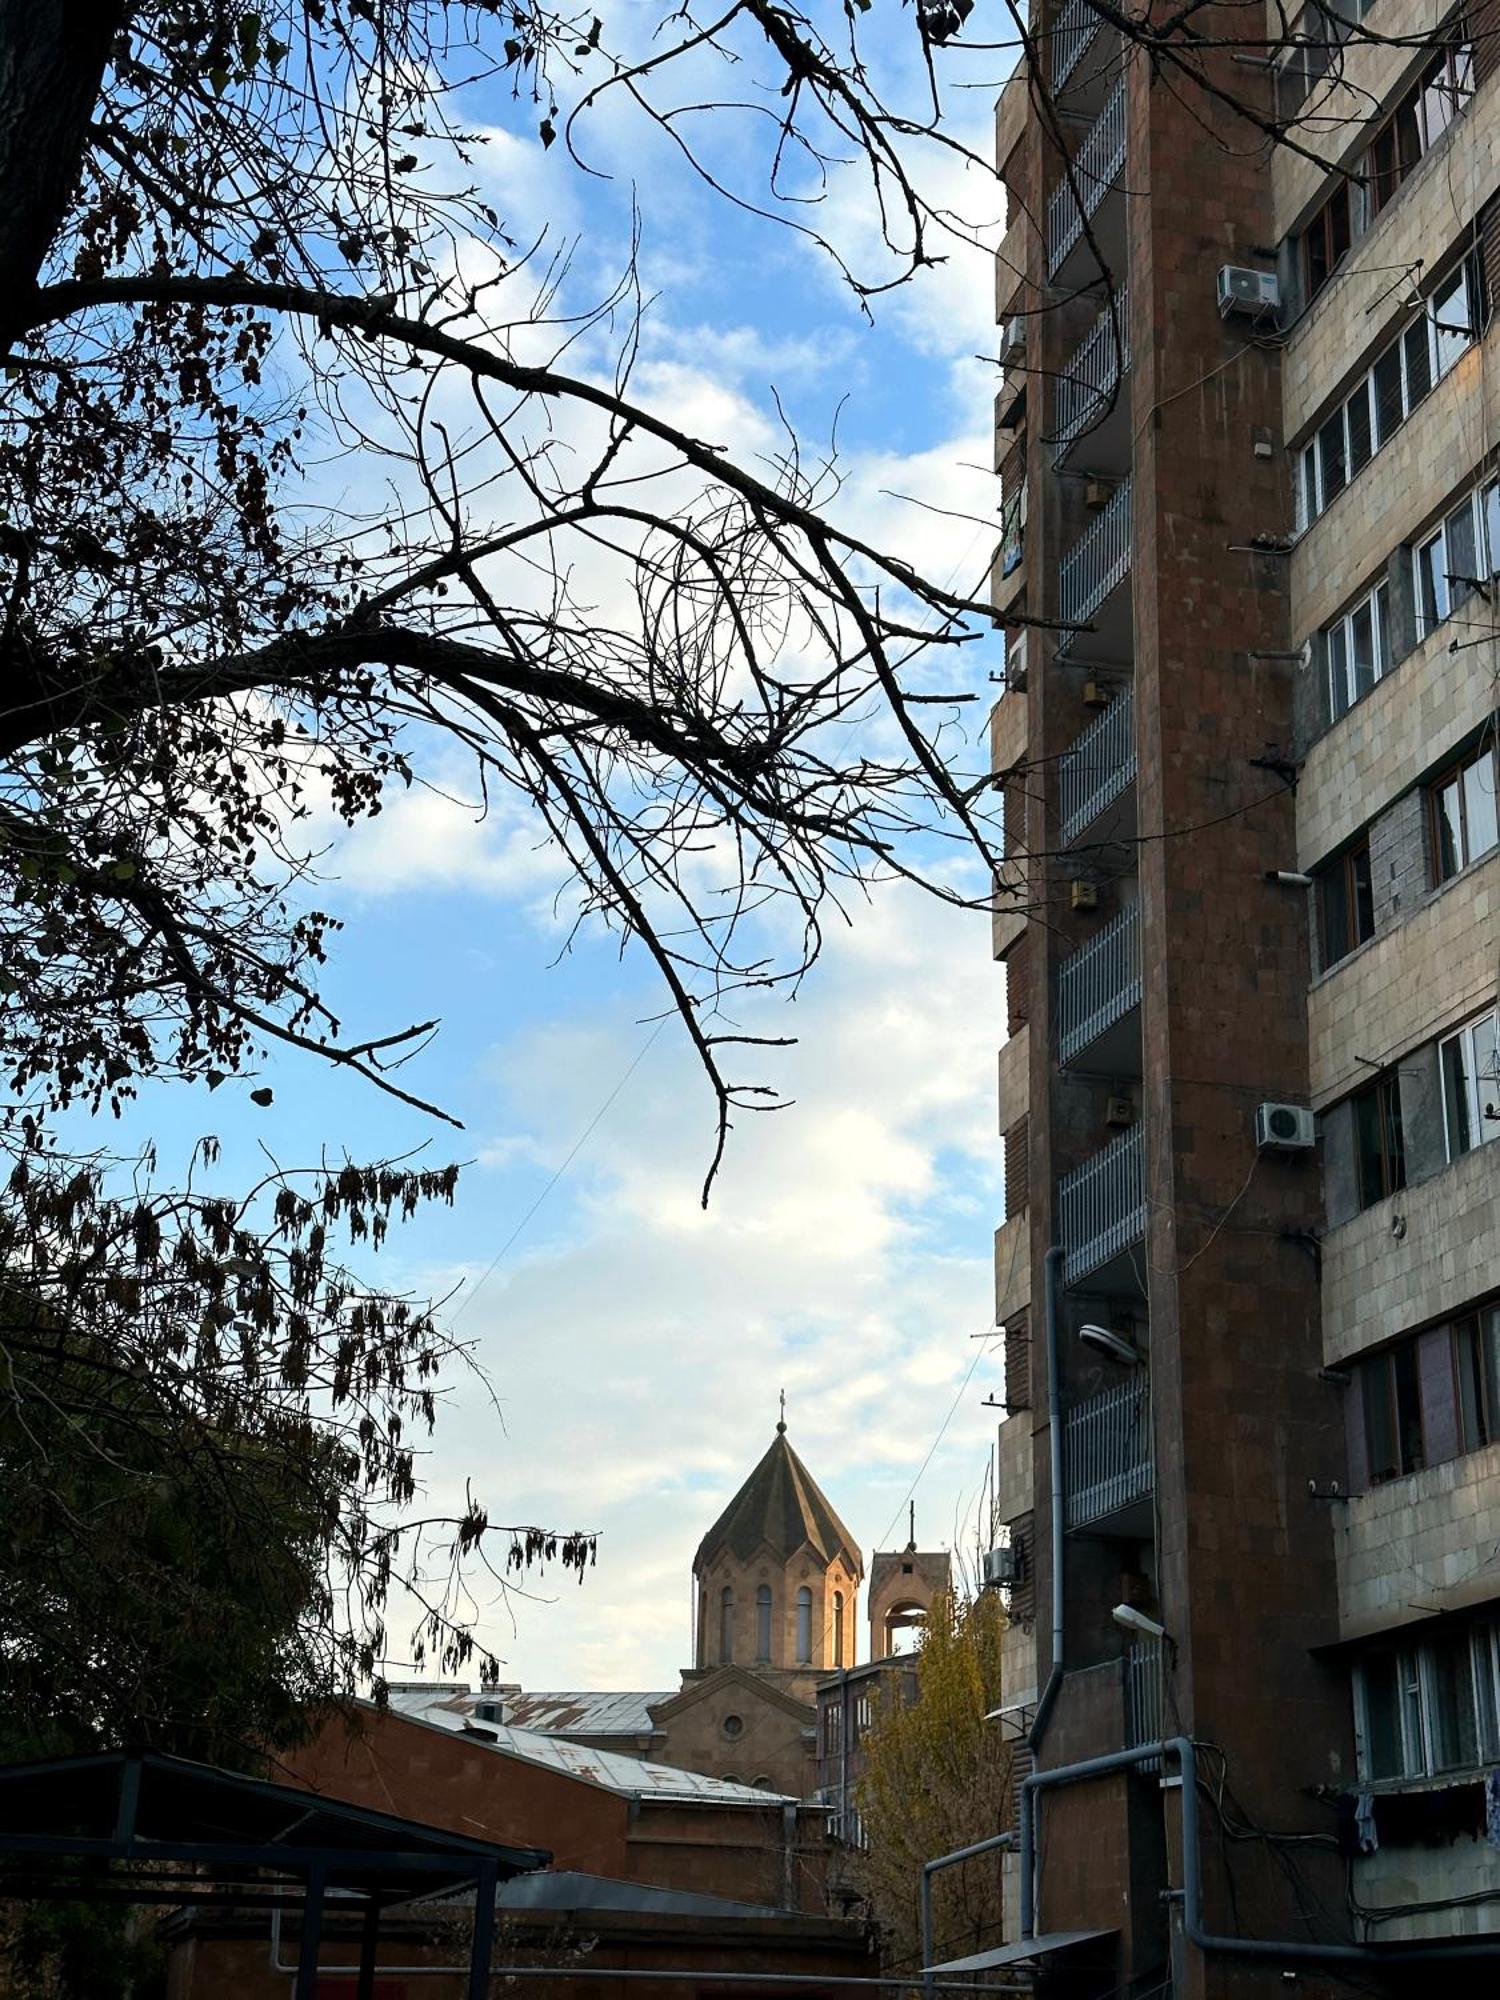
(1107, 1451)
(1098, 984)
(1145, 1695)
(1072, 32)
(1097, 560)
(1102, 1205)
(1092, 373)
(1098, 768)
(1095, 166)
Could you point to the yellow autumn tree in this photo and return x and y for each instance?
(937, 1778)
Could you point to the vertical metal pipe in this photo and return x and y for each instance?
(369, 1939)
(483, 1942)
(310, 1943)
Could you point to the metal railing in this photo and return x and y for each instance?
(1107, 1453)
(1099, 983)
(1092, 373)
(1102, 1205)
(1100, 765)
(1073, 30)
(1095, 167)
(1097, 560)
(1145, 1695)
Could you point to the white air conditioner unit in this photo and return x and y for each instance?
(1013, 341)
(1002, 1567)
(1284, 1128)
(1242, 290)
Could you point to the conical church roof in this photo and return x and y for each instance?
(780, 1507)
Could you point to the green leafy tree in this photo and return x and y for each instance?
(938, 1777)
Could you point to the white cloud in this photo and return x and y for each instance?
(638, 1344)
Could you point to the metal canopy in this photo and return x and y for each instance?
(1022, 1952)
(104, 1825)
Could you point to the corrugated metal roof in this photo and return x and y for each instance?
(585, 1712)
(632, 1777)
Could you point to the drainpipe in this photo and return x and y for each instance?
(931, 1868)
(1051, 1277)
(1183, 1751)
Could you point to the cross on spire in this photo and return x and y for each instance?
(781, 1427)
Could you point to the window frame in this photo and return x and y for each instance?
(765, 1634)
(1463, 1035)
(1481, 504)
(1384, 1092)
(1380, 1375)
(1338, 636)
(1479, 1332)
(1420, 1707)
(1343, 888)
(1455, 776)
(1314, 496)
(804, 1626)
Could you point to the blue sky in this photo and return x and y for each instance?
(635, 1345)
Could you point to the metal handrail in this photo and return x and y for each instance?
(1098, 984)
(1096, 165)
(1092, 373)
(1107, 1451)
(1097, 560)
(1102, 1205)
(1100, 765)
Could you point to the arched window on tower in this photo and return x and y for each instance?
(726, 1625)
(763, 1624)
(838, 1628)
(804, 1627)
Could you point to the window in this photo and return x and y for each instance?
(1420, 119)
(1457, 558)
(1471, 1086)
(1429, 1708)
(1476, 1370)
(763, 1623)
(1325, 240)
(726, 1625)
(804, 1627)
(833, 1728)
(1393, 1412)
(1385, 397)
(1379, 1152)
(1321, 31)
(733, 1725)
(1358, 646)
(1464, 821)
(838, 1628)
(1348, 903)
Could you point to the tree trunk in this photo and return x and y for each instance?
(52, 58)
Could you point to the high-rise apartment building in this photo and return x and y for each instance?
(1249, 443)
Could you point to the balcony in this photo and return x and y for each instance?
(1145, 1695)
(1086, 402)
(1092, 570)
(1098, 990)
(1098, 770)
(1102, 1215)
(1072, 33)
(1096, 167)
(1107, 1460)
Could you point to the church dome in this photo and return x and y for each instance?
(780, 1508)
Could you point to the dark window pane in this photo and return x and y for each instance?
(1338, 669)
(1418, 362)
(1361, 651)
(1381, 177)
(1408, 129)
(1368, 1147)
(1408, 1407)
(1331, 460)
(1432, 584)
(1468, 1369)
(1456, 1096)
(1380, 1425)
(1383, 1717)
(1362, 896)
(1395, 1137)
(1447, 817)
(1388, 405)
(1461, 554)
(1382, 629)
(1337, 928)
(1338, 221)
(1310, 484)
(1450, 1669)
(1359, 429)
(1316, 247)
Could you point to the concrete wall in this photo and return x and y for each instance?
(1457, 1868)
(1420, 1544)
(1377, 1284)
